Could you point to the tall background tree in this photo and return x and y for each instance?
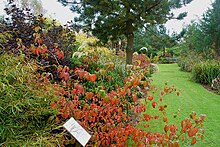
(203, 37)
(113, 18)
(210, 25)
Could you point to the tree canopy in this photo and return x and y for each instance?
(155, 38)
(108, 19)
(203, 36)
(210, 25)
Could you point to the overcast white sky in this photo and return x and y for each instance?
(195, 9)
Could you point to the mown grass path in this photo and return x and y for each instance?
(193, 98)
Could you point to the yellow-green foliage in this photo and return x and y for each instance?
(4, 36)
(82, 37)
(205, 72)
(105, 54)
(24, 104)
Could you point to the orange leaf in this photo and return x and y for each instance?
(57, 120)
(176, 144)
(60, 54)
(147, 117)
(37, 50)
(89, 95)
(178, 93)
(92, 77)
(192, 132)
(39, 40)
(188, 123)
(166, 128)
(193, 141)
(53, 105)
(165, 119)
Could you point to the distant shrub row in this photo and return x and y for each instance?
(205, 72)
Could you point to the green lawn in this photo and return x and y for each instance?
(193, 98)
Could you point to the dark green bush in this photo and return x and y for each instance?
(205, 72)
(167, 60)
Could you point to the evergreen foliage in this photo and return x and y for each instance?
(110, 19)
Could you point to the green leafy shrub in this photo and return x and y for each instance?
(186, 62)
(205, 72)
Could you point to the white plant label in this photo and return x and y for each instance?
(81, 135)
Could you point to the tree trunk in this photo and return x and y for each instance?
(130, 43)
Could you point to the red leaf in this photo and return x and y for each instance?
(146, 125)
(150, 98)
(129, 92)
(61, 74)
(154, 104)
(81, 73)
(66, 76)
(65, 115)
(161, 108)
(183, 138)
(156, 117)
(134, 97)
(79, 88)
(74, 91)
(43, 49)
(60, 54)
(173, 129)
